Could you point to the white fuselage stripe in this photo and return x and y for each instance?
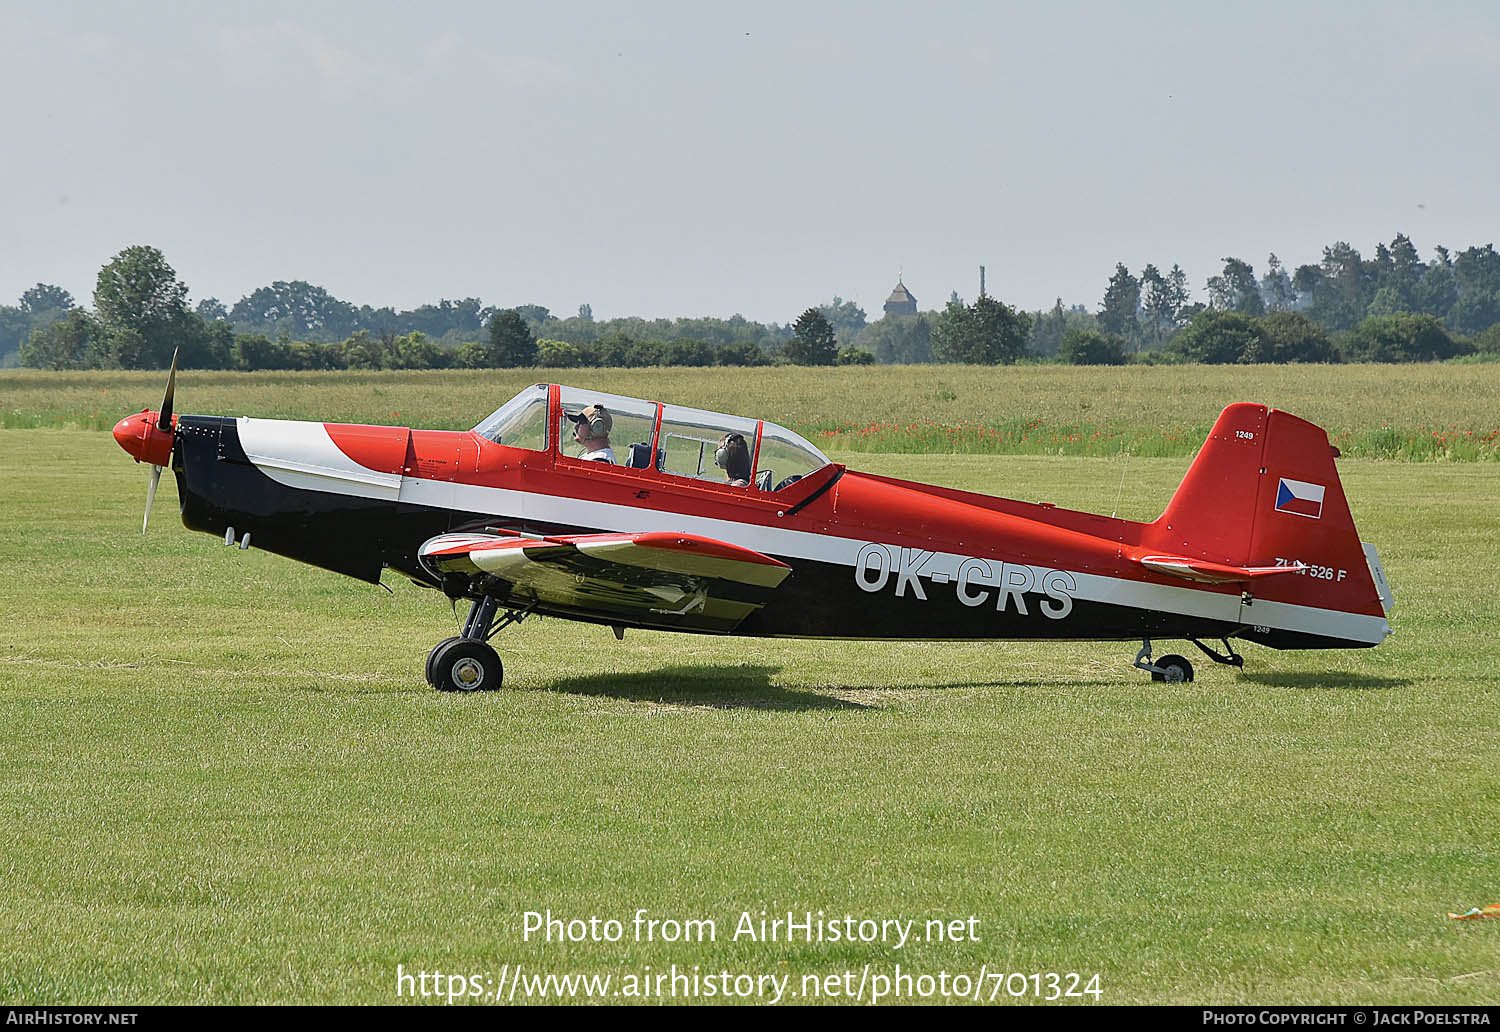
(302, 455)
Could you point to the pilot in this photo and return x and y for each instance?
(733, 457)
(591, 429)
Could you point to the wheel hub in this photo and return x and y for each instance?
(467, 674)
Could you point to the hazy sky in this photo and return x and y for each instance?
(701, 159)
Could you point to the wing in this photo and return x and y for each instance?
(675, 581)
(1206, 572)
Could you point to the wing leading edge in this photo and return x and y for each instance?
(658, 579)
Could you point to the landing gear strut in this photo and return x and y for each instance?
(1228, 657)
(1172, 669)
(1176, 669)
(467, 663)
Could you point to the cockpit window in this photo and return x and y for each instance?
(521, 422)
(785, 458)
(691, 439)
(619, 431)
(688, 442)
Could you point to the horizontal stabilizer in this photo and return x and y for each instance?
(1206, 572)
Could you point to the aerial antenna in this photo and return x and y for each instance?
(1123, 469)
(981, 281)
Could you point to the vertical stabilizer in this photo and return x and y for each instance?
(1212, 515)
(1264, 492)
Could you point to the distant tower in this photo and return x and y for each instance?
(901, 301)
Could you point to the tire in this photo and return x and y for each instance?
(433, 660)
(1177, 670)
(468, 665)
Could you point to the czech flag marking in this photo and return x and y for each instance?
(1300, 497)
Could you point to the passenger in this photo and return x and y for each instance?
(733, 457)
(591, 429)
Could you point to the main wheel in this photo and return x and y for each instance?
(467, 665)
(433, 659)
(1176, 670)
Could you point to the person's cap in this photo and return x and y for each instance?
(597, 417)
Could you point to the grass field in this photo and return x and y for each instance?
(1390, 412)
(227, 782)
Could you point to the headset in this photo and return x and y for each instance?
(723, 451)
(598, 423)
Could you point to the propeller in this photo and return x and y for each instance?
(163, 422)
(151, 495)
(165, 418)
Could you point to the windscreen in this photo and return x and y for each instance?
(521, 422)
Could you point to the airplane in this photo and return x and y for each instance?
(1257, 544)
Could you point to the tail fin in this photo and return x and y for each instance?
(1212, 515)
(1263, 491)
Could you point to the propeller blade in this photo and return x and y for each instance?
(151, 495)
(164, 421)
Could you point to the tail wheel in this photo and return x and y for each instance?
(435, 656)
(1174, 670)
(466, 665)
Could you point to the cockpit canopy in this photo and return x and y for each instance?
(673, 439)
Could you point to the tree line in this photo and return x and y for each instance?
(141, 316)
(1394, 306)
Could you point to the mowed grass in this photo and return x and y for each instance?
(225, 780)
(1423, 412)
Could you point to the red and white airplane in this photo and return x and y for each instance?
(1257, 543)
